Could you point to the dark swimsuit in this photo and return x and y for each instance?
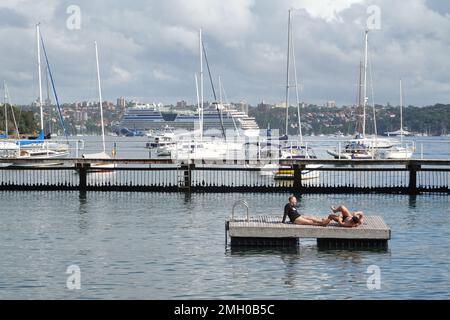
(290, 211)
(344, 219)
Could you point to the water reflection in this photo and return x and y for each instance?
(352, 252)
(187, 198)
(254, 250)
(171, 245)
(412, 201)
(291, 270)
(298, 250)
(309, 267)
(290, 256)
(82, 212)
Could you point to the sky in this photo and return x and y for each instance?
(148, 50)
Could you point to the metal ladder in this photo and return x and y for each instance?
(245, 204)
(183, 177)
(227, 223)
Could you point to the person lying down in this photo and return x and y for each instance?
(346, 218)
(339, 214)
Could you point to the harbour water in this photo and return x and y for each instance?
(172, 246)
(426, 147)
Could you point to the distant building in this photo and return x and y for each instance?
(181, 104)
(78, 116)
(242, 106)
(331, 104)
(109, 105)
(84, 115)
(280, 105)
(264, 106)
(121, 103)
(48, 102)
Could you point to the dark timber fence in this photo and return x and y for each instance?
(332, 176)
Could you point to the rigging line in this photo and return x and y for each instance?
(214, 91)
(48, 90)
(54, 90)
(12, 110)
(357, 97)
(6, 108)
(373, 96)
(222, 89)
(225, 94)
(287, 72)
(198, 97)
(209, 72)
(296, 87)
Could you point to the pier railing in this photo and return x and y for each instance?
(306, 176)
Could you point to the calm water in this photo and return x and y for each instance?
(426, 147)
(171, 246)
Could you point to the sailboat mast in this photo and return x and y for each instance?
(198, 97)
(373, 99)
(201, 83)
(287, 70)
(359, 122)
(365, 83)
(296, 88)
(39, 75)
(220, 91)
(6, 107)
(401, 111)
(8, 102)
(100, 96)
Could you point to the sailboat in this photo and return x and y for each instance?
(8, 148)
(103, 154)
(197, 146)
(39, 148)
(362, 147)
(5, 104)
(400, 151)
(293, 149)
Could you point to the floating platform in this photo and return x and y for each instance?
(270, 231)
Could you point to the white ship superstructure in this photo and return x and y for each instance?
(149, 117)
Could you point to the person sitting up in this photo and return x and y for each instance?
(347, 219)
(291, 211)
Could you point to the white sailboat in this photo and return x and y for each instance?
(103, 154)
(8, 148)
(195, 145)
(293, 149)
(402, 150)
(161, 142)
(399, 133)
(363, 147)
(39, 148)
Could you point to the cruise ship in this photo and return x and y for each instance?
(149, 117)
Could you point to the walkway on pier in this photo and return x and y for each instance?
(303, 176)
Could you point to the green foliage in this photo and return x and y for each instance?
(26, 121)
(433, 120)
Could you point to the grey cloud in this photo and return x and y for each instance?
(442, 7)
(10, 18)
(148, 49)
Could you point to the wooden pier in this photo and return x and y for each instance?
(161, 175)
(270, 231)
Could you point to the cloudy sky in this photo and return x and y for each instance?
(149, 49)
